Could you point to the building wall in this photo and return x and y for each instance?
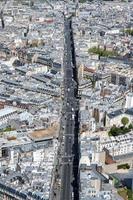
(98, 157)
(96, 184)
(119, 146)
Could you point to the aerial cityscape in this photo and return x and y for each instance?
(66, 100)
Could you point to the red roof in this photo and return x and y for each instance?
(89, 69)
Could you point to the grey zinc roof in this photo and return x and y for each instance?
(57, 65)
(118, 112)
(129, 111)
(115, 113)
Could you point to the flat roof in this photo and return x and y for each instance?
(45, 133)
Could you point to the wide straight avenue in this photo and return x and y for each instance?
(65, 183)
(70, 158)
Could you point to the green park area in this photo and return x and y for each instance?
(129, 31)
(125, 193)
(125, 128)
(102, 52)
(4, 130)
(7, 129)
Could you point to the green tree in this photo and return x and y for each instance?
(129, 31)
(123, 166)
(124, 121)
(130, 126)
(114, 131)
